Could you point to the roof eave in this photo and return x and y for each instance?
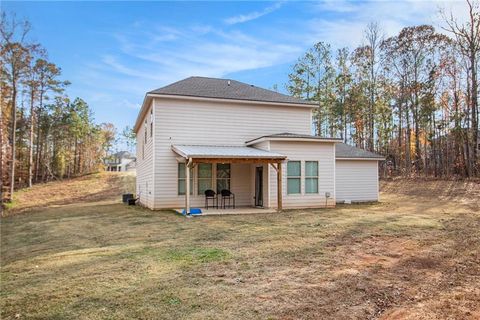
(273, 103)
(296, 139)
(360, 158)
(202, 156)
(141, 114)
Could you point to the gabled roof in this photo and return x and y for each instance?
(225, 89)
(288, 136)
(344, 151)
(206, 151)
(197, 88)
(124, 154)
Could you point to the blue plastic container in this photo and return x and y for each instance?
(193, 211)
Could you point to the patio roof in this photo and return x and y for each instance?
(225, 152)
(194, 154)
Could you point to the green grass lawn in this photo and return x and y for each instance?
(407, 257)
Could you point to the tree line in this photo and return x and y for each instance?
(412, 97)
(44, 135)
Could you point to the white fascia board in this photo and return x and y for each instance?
(363, 159)
(180, 97)
(256, 141)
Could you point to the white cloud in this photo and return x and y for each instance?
(345, 24)
(131, 105)
(211, 53)
(150, 55)
(253, 15)
(336, 6)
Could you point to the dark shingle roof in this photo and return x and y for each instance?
(225, 89)
(124, 154)
(343, 150)
(294, 136)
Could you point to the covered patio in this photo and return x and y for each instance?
(193, 155)
(233, 211)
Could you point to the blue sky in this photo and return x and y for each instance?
(114, 52)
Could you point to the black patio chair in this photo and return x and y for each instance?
(211, 195)
(227, 195)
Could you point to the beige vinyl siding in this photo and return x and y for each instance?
(224, 123)
(305, 151)
(357, 180)
(240, 185)
(264, 145)
(211, 123)
(145, 164)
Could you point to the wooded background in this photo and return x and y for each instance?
(412, 97)
(44, 135)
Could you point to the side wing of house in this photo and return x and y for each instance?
(357, 180)
(356, 174)
(308, 174)
(145, 160)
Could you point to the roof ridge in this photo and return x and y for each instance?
(209, 87)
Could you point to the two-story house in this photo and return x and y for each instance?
(202, 134)
(120, 161)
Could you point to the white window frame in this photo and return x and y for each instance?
(294, 177)
(311, 177)
(184, 179)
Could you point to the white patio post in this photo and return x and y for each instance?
(279, 188)
(187, 187)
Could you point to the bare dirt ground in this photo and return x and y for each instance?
(93, 187)
(414, 255)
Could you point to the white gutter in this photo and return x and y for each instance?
(203, 156)
(259, 140)
(373, 159)
(242, 101)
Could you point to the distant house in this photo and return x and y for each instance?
(254, 142)
(121, 161)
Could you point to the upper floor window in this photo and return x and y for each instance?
(311, 176)
(145, 131)
(151, 122)
(293, 177)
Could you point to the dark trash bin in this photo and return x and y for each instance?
(126, 197)
(132, 202)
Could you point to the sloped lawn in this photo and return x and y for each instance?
(411, 256)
